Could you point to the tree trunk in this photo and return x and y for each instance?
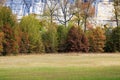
(85, 24)
(78, 22)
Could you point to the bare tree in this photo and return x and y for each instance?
(51, 6)
(87, 11)
(64, 13)
(117, 11)
(83, 11)
(78, 11)
(28, 5)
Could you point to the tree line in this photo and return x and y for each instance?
(40, 36)
(32, 35)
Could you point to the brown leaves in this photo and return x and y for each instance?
(76, 41)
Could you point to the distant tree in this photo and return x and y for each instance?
(78, 12)
(83, 12)
(76, 41)
(87, 11)
(64, 12)
(51, 6)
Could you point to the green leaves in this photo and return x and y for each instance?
(6, 17)
(31, 26)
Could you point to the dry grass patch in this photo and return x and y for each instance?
(60, 60)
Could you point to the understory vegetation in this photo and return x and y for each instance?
(32, 35)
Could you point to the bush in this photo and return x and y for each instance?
(96, 39)
(76, 41)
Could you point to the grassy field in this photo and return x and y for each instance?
(60, 67)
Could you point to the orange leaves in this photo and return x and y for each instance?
(96, 39)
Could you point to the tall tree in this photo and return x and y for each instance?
(117, 11)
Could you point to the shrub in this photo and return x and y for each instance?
(96, 39)
(76, 41)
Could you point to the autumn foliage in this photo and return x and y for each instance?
(9, 42)
(76, 41)
(96, 39)
(1, 40)
(32, 35)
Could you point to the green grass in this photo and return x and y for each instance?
(61, 67)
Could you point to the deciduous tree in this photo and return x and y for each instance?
(31, 35)
(96, 39)
(76, 41)
(51, 7)
(83, 11)
(64, 13)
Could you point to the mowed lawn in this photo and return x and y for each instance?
(60, 67)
